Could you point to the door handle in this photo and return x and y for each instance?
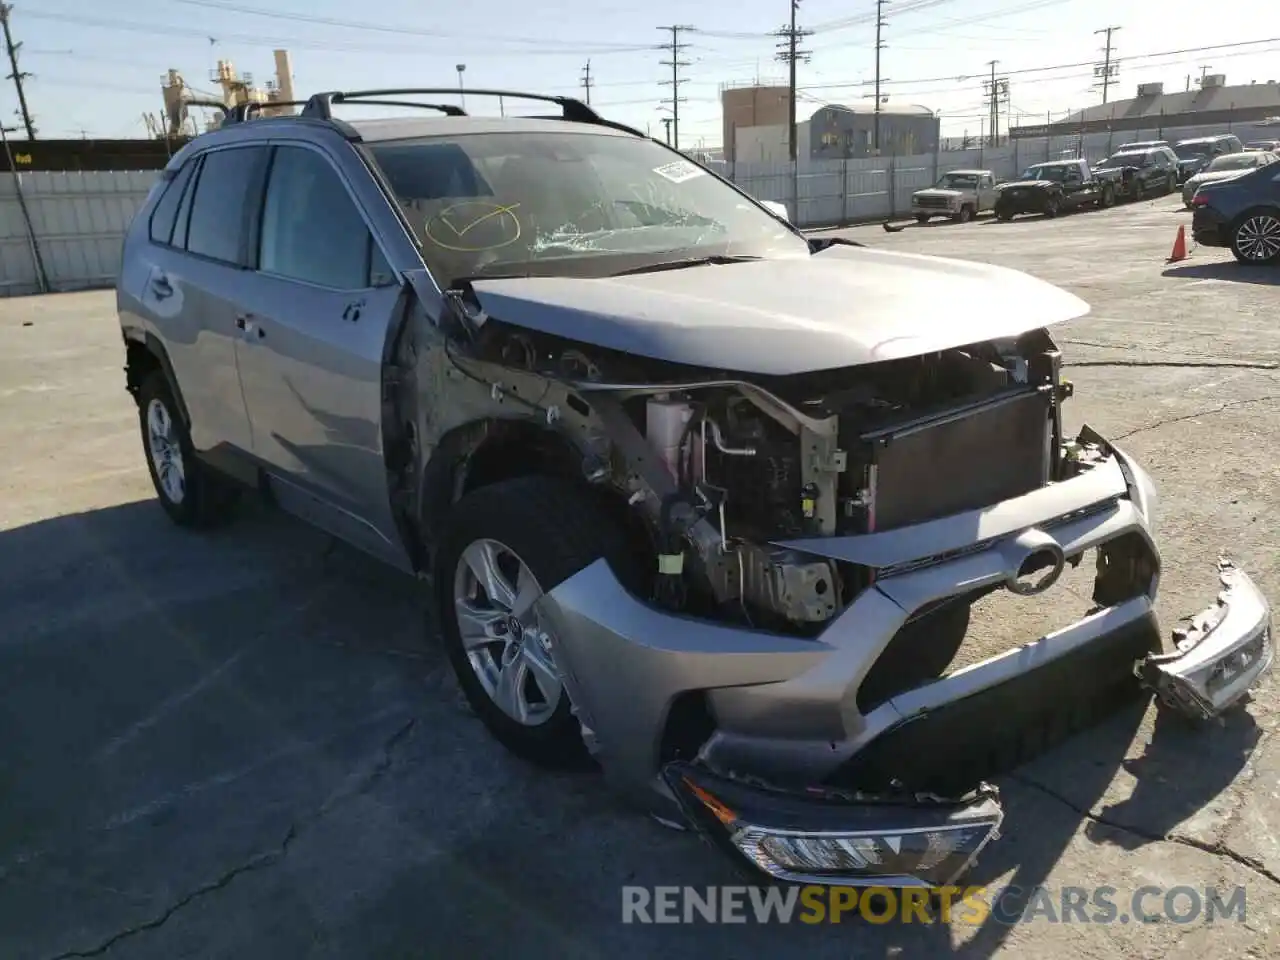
(352, 311)
(242, 321)
(161, 287)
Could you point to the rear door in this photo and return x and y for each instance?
(196, 264)
(311, 350)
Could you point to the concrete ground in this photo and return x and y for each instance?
(240, 745)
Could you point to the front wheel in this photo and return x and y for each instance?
(922, 218)
(505, 546)
(1256, 238)
(1171, 183)
(1052, 207)
(1108, 197)
(965, 214)
(1004, 214)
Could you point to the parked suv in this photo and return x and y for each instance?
(1197, 153)
(669, 466)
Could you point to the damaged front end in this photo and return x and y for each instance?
(781, 677)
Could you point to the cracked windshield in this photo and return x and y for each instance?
(568, 204)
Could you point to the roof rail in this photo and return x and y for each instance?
(245, 111)
(320, 105)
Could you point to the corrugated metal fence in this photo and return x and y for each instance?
(79, 219)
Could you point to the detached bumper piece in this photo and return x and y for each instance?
(830, 837)
(1222, 652)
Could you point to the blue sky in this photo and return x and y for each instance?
(96, 79)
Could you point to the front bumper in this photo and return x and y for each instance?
(784, 711)
(1209, 229)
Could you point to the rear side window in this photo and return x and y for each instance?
(166, 211)
(311, 228)
(217, 218)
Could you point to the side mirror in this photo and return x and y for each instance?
(777, 208)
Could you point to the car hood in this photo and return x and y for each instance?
(1214, 176)
(1042, 184)
(937, 192)
(841, 307)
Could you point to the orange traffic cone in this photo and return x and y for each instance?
(1179, 246)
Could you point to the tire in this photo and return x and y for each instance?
(1052, 207)
(1255, 238)
(548, 528)
(922, 218)
(965, 214)
(1170, 184)
(1004, 214)
(1108, 198)
(191, 494)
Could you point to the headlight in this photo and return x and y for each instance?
(826, 837)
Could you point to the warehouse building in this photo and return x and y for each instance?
(844, 133)
(1211, 103)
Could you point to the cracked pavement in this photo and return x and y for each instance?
(245, 743)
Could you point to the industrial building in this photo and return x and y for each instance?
(844, 133)
(1207, 103)
(756, 121)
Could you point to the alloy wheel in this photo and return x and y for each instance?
(1258, 238)
(166, 453)
(508, 648)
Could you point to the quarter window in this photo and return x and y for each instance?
(311, 228)
(166, 211)
(217, 217)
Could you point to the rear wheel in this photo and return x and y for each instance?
(191, 494)
(504, 547)
(1171, 183)
(1256, 237)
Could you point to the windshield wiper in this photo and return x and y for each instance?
(718, 260)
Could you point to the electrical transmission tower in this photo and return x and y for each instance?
(880, 45)
(1109, 67)
(17, 76)
(586, 80)
(675, 63)
(997, 92)
(789, 52)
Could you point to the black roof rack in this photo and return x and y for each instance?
(244, 111)
(320, 105)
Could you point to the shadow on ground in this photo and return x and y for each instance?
(1231, 270)
(239, 743)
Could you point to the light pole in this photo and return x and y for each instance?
(462, 67)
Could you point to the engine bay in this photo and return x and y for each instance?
(747, 464)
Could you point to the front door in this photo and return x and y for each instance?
(312, 340)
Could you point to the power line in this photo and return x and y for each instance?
(675, 63)
(586, 80)
(1108, 68)
(17, 76)
(790, 54)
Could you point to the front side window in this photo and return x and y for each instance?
(1056, 172)
(217, 218)
(1235, 161)
(958, 181)
(1192, 151)
(568, 204)
(311, 228)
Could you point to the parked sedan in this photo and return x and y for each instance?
(1242, 213)
(1224, 168)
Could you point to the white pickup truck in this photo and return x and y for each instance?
(958, 194)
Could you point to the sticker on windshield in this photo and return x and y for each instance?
(680, 171)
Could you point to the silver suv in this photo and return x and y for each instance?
(696, 495)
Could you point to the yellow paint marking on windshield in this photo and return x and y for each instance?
(455, 241)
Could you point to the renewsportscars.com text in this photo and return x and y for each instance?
(966, 906)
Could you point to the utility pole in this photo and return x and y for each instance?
(790, 54)
(996, 89)
(1204, 72)
(666, 123)
(17, 76)
(675, 63)
(586, 80)
(880, 25)
(1109, 67)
